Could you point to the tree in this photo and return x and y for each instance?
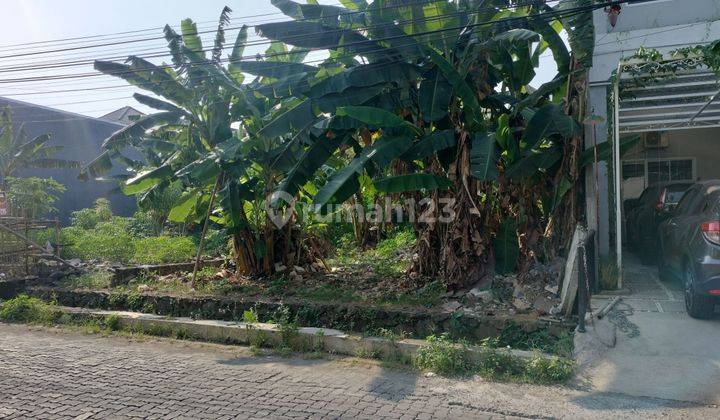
(225, 172)
(33, 197)
(447, 113)
(18, 151)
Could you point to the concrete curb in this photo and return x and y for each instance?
(306, 339)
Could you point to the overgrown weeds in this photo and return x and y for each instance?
(92, 280)
(443, 356)
(515, 337)
(390, 258)
(28, 309)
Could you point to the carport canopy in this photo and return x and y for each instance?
(677, 93)
(654, 101)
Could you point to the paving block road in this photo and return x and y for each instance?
(54, 373)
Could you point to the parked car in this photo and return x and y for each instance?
(690, 247)
(644, 215)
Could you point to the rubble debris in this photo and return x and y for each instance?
(451, 306)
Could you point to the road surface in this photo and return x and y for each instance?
(55, 373)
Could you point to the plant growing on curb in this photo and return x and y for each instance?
(24, 308)
(443, 356)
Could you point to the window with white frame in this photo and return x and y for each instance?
(670, 170)
(660, 170)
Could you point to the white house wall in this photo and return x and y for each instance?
(663, 24)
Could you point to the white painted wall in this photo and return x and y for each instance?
(663, 24)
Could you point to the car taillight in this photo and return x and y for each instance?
(661, 201)
(711, 231)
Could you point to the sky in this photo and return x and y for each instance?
(137, 23)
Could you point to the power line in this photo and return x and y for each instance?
(26, 45)
(425, 2)
(249, 90)
(163, 53)
(136, 31)
(554, 15)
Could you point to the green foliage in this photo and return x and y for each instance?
(289, 330)
(18, 151)
(389, 258)
(506, 247)
(24, 308)
(328, 292)
(217, 242)
(514, 336)
(109, 241)
(156, 205)
(442, 356)
(90, 217)
(134, 301)
(500, 364)
(95, 234)
(250, 317)
(427, 296)
(544, 370)
(33, 197)
(163, 249)
(113, 322)
(93, 280)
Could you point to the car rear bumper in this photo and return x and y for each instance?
(708, 276)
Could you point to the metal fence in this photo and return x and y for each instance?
(17, 257)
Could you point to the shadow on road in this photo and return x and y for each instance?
(386, 383)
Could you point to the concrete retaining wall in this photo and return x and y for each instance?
(307, 339)
(346, 316)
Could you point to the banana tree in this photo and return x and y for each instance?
(435, 101)
(19, 151)
(209, 137)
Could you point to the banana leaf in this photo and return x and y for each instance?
(412, 182)
(483, 157)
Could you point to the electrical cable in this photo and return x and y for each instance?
(554, 16)
(163, 53)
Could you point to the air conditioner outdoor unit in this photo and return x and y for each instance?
(655, 140)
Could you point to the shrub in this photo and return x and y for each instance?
(164, 249)
(250, 317)
(33, 197)
(24, 308)
(543, 370)
(113, 322)
(501, 365)
(143, 225)
(90, 217)
(106, 242)
(443, 356)
(217, 242)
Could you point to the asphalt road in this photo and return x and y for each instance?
(54, 373)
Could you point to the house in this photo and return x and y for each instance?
(677, 118)
(81, 138)
(124, 115)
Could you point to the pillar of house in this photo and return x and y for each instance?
(596, 176)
